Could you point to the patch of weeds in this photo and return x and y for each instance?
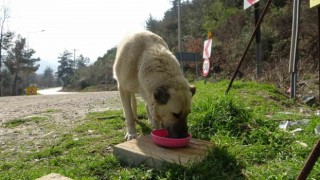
(52, 110)
(17, 122)
(223, 114)
(138, 173)
(14, 123)
(5, 167)
(287, 116)
(48, 153)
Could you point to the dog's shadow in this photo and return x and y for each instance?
(218, 164)
(143, 124)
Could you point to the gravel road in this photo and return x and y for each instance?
(60, 113)
(72, 105)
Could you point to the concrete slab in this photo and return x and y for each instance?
(143, 150)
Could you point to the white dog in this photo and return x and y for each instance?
(145, 66)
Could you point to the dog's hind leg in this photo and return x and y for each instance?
(134, 106)
(130, 121)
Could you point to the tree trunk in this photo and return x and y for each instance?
(14, 87)
(1, 37)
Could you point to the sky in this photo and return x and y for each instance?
(91, 27)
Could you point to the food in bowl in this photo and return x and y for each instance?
(161, 138)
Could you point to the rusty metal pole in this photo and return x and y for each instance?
(312, 159)
(247, 48)
(319, 47)
(258, 39)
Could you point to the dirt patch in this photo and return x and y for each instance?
(71, 105)
(47, 118)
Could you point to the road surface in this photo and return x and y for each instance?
(71, 104)
(59, 113)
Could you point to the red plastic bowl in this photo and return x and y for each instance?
(160, 137)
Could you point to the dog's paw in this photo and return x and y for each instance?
(130, 136)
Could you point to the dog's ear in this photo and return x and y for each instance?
(192, 89)
(162, 95)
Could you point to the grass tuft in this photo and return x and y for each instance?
(17, 122)
(223, 114)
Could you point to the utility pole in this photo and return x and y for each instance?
(179, 35)
(179, 27)
(74, 59)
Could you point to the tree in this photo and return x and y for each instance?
(82, 62)
(65, 69)
(47, 78)
(151, 24)
(2, 21)
(19, 60)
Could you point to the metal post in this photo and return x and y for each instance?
(179, 35)
(248, 45)
(293, 82)
(179, 27)
(258, 39)
(294, 47)
(319, 46)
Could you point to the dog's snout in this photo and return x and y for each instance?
(179, 130)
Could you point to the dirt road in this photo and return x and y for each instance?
(72, 105)
(58, 114)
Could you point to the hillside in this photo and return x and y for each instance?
(231, 27)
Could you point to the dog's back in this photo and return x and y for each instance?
(129, 56)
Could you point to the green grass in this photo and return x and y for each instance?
(244, 125)
(52, 110)
(17, 122)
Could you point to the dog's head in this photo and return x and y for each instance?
(172, 107)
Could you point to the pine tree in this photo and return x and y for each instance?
(19, 60)
(48, 79)
(65, 69)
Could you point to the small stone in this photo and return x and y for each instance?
(309, 100)
(302, 143)
(90, 131)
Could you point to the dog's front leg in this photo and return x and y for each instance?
(155, 123)
(130, 120)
